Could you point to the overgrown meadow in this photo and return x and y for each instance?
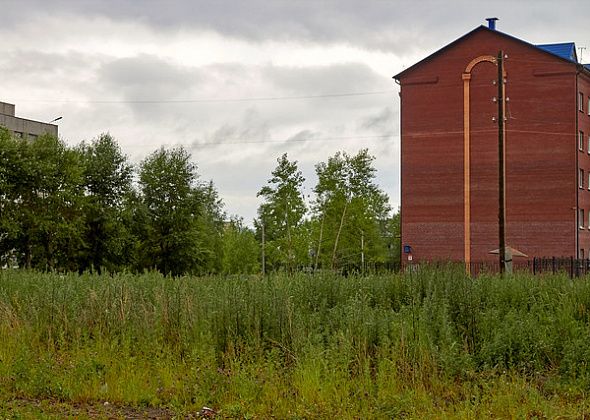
(432, 343)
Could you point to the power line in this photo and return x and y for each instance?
(317, 139)
(211, 100)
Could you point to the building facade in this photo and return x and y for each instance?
(449, 150)
(22, 127)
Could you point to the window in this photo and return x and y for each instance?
(581, 141)
(581, 253)
(588, 105)
(589, 145)
(581, 217)
(588, 180)
(581, 178)
(580, 101)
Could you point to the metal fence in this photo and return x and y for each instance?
(546, 265)
(570, 266)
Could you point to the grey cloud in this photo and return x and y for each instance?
(302, 136)
(250, 129)
(317, 80)
(382, 122)
(300, 141)
(136, 79)
(401, 26)
(147, 77)
(42, 72)
(35, 63)
(151, 78)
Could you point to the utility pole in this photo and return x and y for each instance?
(263, 252)
(502, 161)
(363, 251)
(317, 255)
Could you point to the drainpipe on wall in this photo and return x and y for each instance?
(401, 254)
(577, 238)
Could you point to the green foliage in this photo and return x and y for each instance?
(107, 182)
(306, 346)
(43, 201)
(350, 212)
(282, 217)
(11, 175)
(78, 209)
(168, 183)
(391, 229)
(211, 223)
(240, 249)
(74, 209)
(183, 217)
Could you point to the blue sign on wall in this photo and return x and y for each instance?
(407, 249)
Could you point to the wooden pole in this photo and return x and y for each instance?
(263, 251)
(501, 162)
(466, 174)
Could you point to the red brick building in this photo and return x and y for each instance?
(448, 109)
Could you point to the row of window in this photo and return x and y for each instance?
(20, 135)
(581, 102)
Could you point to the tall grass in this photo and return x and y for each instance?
(307, 346)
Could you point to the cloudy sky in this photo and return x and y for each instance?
(238, 83)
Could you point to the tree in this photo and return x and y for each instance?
(107, 182)
(350, 211)
(282, 214)
(183, 217)
(211, 224)
(11, 174)
(240, 249)
(46, 203)
(393, 231)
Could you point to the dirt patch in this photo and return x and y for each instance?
(23, 408)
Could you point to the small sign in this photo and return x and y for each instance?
(410, 258)
(407, 249)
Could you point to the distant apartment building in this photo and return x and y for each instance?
(22, 127)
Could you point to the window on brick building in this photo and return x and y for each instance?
(589, 145)
(581, 253)
(581, 141)
(580, 101)
(581, 219)
(581, 178)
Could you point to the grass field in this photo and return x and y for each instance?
(428, 344)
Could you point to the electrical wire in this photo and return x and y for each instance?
(317, 139)
(211, 100)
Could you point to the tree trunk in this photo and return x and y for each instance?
(317, 256)
(338, 234)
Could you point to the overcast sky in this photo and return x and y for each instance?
(238, 83)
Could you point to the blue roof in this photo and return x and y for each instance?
(587, 66)
(566, 50)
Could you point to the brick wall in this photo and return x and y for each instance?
(540, 145)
